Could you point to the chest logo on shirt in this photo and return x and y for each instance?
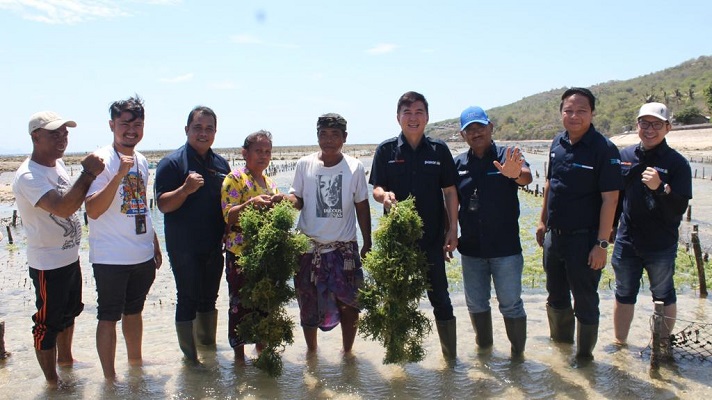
(463, 173)
(431, 162)
(396, 161)
(661, 170)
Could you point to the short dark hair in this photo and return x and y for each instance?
(578, 90)
(202, 110)
(255, 136)
(409, 98)
(132, 105)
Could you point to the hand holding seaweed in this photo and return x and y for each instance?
(397, 277)
(269, 260)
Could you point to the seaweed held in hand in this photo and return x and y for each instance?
(269, 259)
(397, 278)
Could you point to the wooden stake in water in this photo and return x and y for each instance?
(699, 261)
(658, 325)
(3, 353)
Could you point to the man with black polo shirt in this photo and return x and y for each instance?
(658, 187)
(488, 178)
(413, 164)
(188, 185)
(580, 198)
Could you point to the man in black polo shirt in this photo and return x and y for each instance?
(658, 187)
(488, 178)
(580, 198)
(413, 164)
(188, 184)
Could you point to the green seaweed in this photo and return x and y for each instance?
(269, 260)
(397, 278)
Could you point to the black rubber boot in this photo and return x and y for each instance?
(206, 325)
(448, 337)
(186, 340)
(517, 334)
(586, 338)
(482, 322)
(562, 324)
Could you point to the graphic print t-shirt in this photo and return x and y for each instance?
(52, 241)
(329, 194)
(112, 236)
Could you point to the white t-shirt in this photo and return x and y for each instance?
(112, 236)
(329, 195)
(52, 241)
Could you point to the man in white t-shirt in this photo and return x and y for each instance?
(123, 247)
(331, 191)
(48, 204)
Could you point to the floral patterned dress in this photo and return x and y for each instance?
(238, 187)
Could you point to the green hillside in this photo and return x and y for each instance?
(537, 116)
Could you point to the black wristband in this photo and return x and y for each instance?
(88, 173)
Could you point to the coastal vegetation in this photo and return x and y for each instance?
(686, 89)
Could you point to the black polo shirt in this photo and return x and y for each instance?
(493, 229)
(577, 176)
(423, 173)
(198, 225)
(650, 219)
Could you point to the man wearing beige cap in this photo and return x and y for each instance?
(48, 203)
(658, 187)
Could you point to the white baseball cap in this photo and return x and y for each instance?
(48, 120)
(657, 110)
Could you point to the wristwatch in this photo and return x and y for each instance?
(603, 243)
(663, 189)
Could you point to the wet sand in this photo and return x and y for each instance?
(545, 373)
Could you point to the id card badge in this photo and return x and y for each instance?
(140, 220)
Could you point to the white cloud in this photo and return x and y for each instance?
(178, 79)
(382, 48)
(249, 39)
(72, 11)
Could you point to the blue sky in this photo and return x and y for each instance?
(278, 65)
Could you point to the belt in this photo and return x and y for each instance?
(561, 232)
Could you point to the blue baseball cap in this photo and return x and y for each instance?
(473, 114)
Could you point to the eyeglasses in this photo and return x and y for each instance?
(657, 125)
(475, 128)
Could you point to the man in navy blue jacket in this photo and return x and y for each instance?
(658, 187)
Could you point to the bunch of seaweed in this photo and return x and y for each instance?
(397, 278)
(269, 260)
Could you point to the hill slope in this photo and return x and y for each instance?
(537, 116)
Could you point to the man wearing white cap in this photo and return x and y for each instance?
(48, 203)
(658, 187)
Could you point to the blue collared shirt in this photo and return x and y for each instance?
(422, 172)
(198, 224)
(577, 176)
(493, 229)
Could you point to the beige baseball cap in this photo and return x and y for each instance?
(48, 120)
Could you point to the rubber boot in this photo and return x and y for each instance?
(586, 338)
(448, 337)
(186, 340)
(517, 334)
(206, 327)
(561, 324)
(482, 322)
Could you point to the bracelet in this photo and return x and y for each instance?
(88, 173)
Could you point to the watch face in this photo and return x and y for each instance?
(603, 244)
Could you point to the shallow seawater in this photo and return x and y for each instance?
(546, 371)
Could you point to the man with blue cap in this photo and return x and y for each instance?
(488, 178)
